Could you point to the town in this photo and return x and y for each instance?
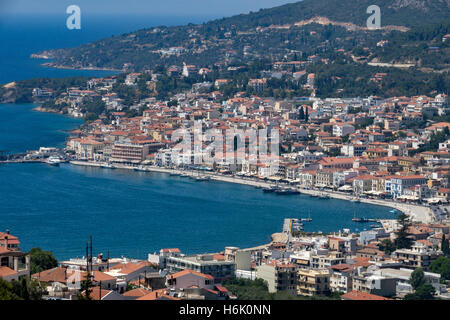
(388, 151)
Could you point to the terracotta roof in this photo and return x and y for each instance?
(6, 271)
(138, 292)
(358, 295)
(186, 272)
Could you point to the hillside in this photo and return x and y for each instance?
(427, 47)
(307, 27)
(393, 12)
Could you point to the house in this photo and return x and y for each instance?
(358, 295)
(126, 272)
(188, 278)
(14, 263)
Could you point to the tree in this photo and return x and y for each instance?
(28, 289)
(24, 289)
(417, 278)
(41, 260)
(85, 290)
(6, 291)
(301, 115)
(442, 266)
(445, 245)
(387, 246)
(402, 241)
(424, 292)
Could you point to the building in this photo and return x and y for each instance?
(398, 185)
(189, 278)
(204, 263)
(419, 256)
(341, 277)
(279, 276)
(321, 262)
(375, 284)
(341, 130)
(14, 263)
(358, 295)
(313, 282)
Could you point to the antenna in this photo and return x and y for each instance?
(90, 258)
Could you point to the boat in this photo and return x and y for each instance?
(53, 161)
(355, 219)
(393, 211)
(107, 166)
(202, 178)
(307, 219)
(140, 168)
(286, 191)
(360, 220)
(324, 196)
(270, 189)
(356, 200)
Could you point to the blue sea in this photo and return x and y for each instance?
(128, 213)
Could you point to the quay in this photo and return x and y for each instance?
(416, 212)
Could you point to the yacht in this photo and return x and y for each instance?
(53, 160)
(140, 168)
(107, 165)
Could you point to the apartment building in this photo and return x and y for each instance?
(418, 256)
(279, 276)
(204, 263)
(313, 282)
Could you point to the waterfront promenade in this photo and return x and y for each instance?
(416, 212)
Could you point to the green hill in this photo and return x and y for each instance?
(255, 35)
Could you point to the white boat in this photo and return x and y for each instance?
(141, 168)
(108, 166)
(53, 160)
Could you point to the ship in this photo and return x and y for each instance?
(202, 178)
(270, 189)
(53, 160)
(360, 220)
(140, 168)
(307, 219)
(286, 191)
(107, 166)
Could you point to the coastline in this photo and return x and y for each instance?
(48, 110)
(58, 66)
(416, 212)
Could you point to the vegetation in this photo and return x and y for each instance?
(24, 289)
(41, 260)
(257, 289)
(422, 290)
(442, 266)
(387, 246)
(403, 241)
(422, 46)
(86, 288)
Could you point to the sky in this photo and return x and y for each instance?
(129, 7)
